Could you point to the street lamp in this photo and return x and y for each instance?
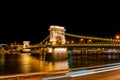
(81, 40)
(117, 37)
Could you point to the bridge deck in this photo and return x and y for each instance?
(81, 45)
(88, 45)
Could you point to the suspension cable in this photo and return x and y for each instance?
(44, 39)
(96, 38)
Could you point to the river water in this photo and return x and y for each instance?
(27, 63)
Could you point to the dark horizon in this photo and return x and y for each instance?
(37, 31)
(34, 28)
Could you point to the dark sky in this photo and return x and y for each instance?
(29, 24)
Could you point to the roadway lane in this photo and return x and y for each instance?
(110, 72)
(109, 75)
(103, 73)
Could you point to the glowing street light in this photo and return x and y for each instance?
(89, 41)
(81, 40)
(117, 37)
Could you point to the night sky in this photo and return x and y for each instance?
(32, 25)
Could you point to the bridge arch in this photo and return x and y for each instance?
(56, 36)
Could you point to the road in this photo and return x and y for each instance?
(109, 75)
(104, 72)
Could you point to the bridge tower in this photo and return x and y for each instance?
(26, 44)
(56, 36)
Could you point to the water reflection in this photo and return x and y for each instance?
(2, 61)
(27, 62)
(78, 60)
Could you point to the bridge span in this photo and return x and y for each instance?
(85, 45)
(90, 45)
(58, 40)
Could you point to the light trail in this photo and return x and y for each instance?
(92, 71)
(104, 68)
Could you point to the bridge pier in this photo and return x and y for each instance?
(58, 52)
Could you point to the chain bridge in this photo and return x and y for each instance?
(58, 38)
(58, 42)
